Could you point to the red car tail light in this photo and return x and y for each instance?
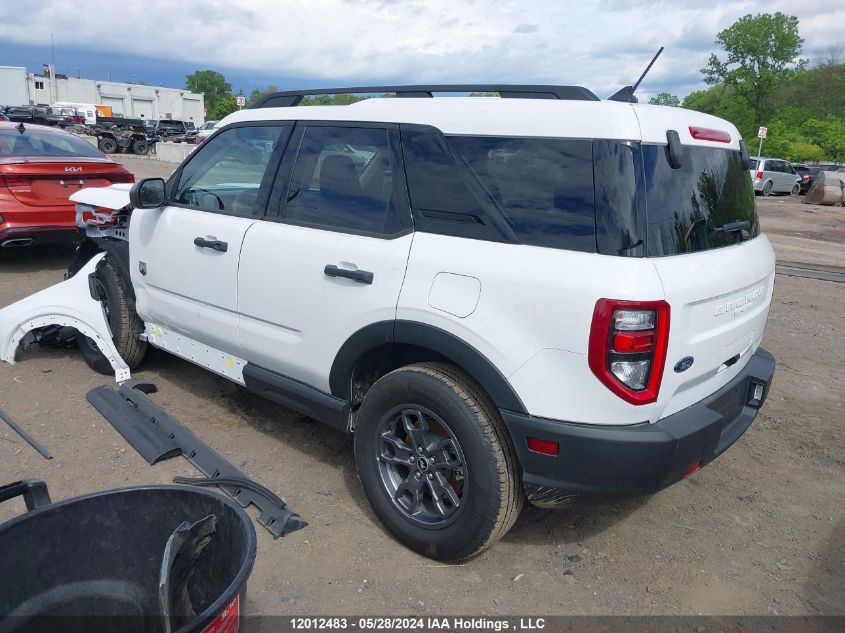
(11, 181)
(759, 175)
(707, 134)
(627, 349)
(544, 447)
(121, 177)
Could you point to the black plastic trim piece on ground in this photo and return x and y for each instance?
(25, 436)
(156, 435)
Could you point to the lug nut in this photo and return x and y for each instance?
(419, 449)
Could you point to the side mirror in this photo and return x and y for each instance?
(147, 193)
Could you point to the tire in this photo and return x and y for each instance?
(141, 147)
(796, 190)
(121, 317)
(107, 145)
(469, 456)
(767, 188)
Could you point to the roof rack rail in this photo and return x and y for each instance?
(506, 91)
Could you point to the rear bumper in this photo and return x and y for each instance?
(642, 458)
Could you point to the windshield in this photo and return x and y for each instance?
(696, 207)
(45, 143)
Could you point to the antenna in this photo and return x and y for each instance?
(627, 93)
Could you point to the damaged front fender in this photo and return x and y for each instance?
(68, 303)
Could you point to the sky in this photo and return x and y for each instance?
(600, 44)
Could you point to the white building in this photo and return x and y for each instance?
(18, 87)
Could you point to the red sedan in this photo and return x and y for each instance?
(39, 168)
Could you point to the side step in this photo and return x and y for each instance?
(156, 435)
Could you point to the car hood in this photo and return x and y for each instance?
(113, 197)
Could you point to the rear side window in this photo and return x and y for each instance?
(226, 172)
(753, 165)
(688, 208)
(543, 187)
(343, 179)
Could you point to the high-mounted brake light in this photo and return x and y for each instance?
(627, 350)
(708, 134)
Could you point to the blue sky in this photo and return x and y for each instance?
(602, 44)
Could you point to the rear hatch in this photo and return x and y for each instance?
(717, 271)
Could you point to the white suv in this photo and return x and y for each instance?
(538, 296)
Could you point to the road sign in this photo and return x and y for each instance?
(761, 133)
(241, 100)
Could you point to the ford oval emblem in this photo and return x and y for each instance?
(684, 364)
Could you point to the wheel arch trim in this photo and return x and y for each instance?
(431, 338)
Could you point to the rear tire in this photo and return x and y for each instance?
(107, 145)
(123, 321)
(767, 188)
(436, 462)
(796, 190)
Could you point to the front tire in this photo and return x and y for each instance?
(123, 321)
(436, 462)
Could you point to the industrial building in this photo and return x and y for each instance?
(19, 87)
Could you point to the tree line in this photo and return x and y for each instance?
(760, 79)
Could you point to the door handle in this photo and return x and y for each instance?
(361, 276)
(216, 245)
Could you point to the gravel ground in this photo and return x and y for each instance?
(759, 531)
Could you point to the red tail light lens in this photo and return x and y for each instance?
(544, 447)
(627, 350)
(707, 134)
(11, 181)
(759, 175)
(121, 177)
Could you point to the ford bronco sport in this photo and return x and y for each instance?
(533, 297)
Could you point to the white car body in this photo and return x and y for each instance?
(522, 313)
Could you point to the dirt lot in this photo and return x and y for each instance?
(759, 531)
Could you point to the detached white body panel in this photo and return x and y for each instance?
(68, 303)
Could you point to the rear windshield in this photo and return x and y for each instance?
(753, 165)
(692, 208)
(44, 143)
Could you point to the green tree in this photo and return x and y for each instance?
(215, 88)
(225, 106)
(258, 93)
(665, 99)
(762, 52)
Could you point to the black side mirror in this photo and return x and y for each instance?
(674, 151)
(147, 193)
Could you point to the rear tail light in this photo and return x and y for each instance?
(759, 175)
(121, 177)
(11, 181)
(708, 134)
(806, 178)
(544, 447)
(627, 350)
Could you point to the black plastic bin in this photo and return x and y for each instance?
(92, 563)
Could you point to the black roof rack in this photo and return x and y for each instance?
(570, 93)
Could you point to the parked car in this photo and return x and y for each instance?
(169, 127)
(205, 130)
(64, 117)
(28, 114)
(807, 175)
(774, 175)
(39, 168)
(3, 117)
(500, 299)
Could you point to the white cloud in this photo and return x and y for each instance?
(602, 45)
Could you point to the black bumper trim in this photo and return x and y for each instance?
(638, 459)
